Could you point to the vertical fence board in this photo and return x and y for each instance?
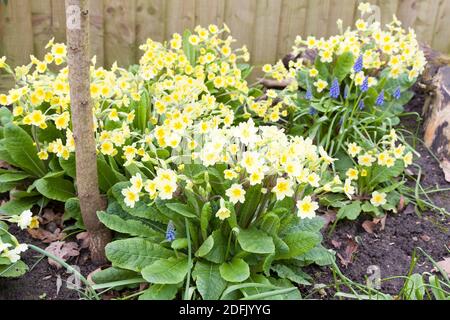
(441, 36)
(266, 31)
(119, 31)
(240, 17)
(41, 19)
(150, 17)
(96, 31)
(17, 32)
(388, 9)
(58, 15)
(209, 12)
(180, 15)
(426, 10)
(317, 17)
(340, 9)
(292, 24)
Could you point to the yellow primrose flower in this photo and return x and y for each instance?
(353, 149)
(320, 85)
(43, 155)
(223, 213)
(283, 189)
(366, 160)
(236, 193)
(307, 208)
(407, 159)
(131, 196)
(378, 199)
(352, 174)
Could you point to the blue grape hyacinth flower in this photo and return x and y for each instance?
(312, 111)
(346, 91)
(170, 232)
(365, 85)
(334, 89)
(358, 66)
(380, 99)
(308, 94)
(397, 93)
(361, 105)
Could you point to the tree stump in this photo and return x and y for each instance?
(436, 111)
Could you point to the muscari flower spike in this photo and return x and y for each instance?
(346, 91)
(334, 89)
(312, 111)
(397, 93)
(365, 85)
(170, 232)
(357, 67)
(361, 105)
(380, 99)
(308, 94)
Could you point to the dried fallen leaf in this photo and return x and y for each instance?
(85, 239)
(50, 216)
(347, 257)
(46, 236)
(369, 226)
(329, 217)
(444, 265)
(401, 204)
(62, 250)
(425, 237)
(336, 244)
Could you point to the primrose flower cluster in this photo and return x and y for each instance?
(265, 155)
(358, 78)
(170, 92)
(10, 248)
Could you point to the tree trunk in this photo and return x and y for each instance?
(436, 110)
(83, 127)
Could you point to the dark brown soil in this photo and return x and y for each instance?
(41, 282)
(391, 249)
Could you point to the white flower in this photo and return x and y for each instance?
(307, 208)
(24, 220)
(236, 193)
(283, 189)
(131, 196)
(4, 246)
(378, 198)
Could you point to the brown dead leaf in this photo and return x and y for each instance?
(444, 265)
(46, 236)
(329, 217)
(85, 239)
(347, 257)
(63, 250)
(90, 275)
(425, 237)
(50, 216)
(401, 204)
(336, 244)
(369, 226)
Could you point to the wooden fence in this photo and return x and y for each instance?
(267, 27)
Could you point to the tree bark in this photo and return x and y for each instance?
(83, 127)
(436, 111)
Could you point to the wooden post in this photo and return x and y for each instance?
(83, 127)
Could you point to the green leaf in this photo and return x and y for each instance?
(189, 49)
(237, 270)
(17, 206)
(72, 211)
(209, 282)
(252, 201)
(142, 208)
(112, 274)
(350, 211)
(166, 271)
(181, 209)
(270, 223)
(299, 243)
(205, 216)
(129, 226)
(382, 174)
(135, 253)
(13, 270)
(217, 253)
(5, 116)
(160, 292)
(318, 255)
(5, 187)
(22, 150)
(179, 244)
(55, 188)
(13, 177)
(297, 276)
(206, 247)
(69, 166)
(255, 241)
(107, 178)
(344, 64)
